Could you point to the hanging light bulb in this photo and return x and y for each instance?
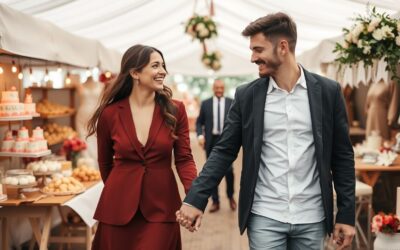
(108, 74)
(20, 75)
(31, 76)
(13, 68)
(46, 76)
(88, 72)
(68, 79)
(1, 70)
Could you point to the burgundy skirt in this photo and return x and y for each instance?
(138, 234)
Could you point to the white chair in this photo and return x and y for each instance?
(363, 203)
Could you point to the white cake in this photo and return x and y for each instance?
(23, 134)
(8, 142)
(30, 107)
(10, 105)
(20, 146)
(37, 134)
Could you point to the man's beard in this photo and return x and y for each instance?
(272, 64)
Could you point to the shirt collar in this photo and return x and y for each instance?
(301, 81)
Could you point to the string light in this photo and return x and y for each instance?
(20, 75)
(31, 76)
(68, 80)
(46, 76)
(1, 70)
(13, 68)
(59, 69)
(108, 74)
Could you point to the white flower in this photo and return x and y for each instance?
(398, 40)
(398, 26)
(206, 61)
(211, 27)
(349, 37)
(360, 44)
(204, 33)
(216, 65)
(373, 24)
(200, 27)
(387, 31)
(345, 45)
(218, 54)
(367, 49)
(357, 30)
(377, 34)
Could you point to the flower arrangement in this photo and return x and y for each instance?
(201, 27)
(212, 60)
(72, 148)
(372, 37)
(385, 223)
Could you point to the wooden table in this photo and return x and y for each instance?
(35, 211)
(370, 173)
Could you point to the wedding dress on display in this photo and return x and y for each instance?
(89, 95)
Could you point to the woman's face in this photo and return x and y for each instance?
(153, 74)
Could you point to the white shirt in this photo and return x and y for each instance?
(215, 114)
(288, 188)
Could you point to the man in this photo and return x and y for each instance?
(292, 125)
(209, 126)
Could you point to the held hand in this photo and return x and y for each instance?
(189, 217)
(343, 235)
(201, 141)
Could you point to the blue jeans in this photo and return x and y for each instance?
(265, 233)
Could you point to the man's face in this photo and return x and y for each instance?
(265, 55)
(219, 88)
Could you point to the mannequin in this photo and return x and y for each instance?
(382, 108)
(89, 94)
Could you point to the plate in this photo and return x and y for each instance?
(64, 193)
(21, 186)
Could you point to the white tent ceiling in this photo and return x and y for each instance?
(159, 23)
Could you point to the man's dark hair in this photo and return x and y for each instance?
(274, 26)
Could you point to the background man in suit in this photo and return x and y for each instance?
(292, 125)
(209, 127)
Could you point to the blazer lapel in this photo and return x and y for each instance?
(126, 120)
(315, 99)
(259, 97)
(155, 126)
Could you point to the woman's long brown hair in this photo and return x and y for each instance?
(135, 58)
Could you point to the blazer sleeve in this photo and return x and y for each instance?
(105, 154)
(200, 120)
(342, 164)
(220, 159)
(184, 162)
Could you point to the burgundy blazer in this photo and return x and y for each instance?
(141, 177)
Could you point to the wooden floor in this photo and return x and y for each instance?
(219, 231)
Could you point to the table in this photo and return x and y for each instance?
(41, 210)
(370, 173)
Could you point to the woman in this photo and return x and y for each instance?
(138, 125)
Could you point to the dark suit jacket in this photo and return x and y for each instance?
(244, 127)
(141, 177)
(204, 123)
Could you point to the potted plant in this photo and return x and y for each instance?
(387, 230)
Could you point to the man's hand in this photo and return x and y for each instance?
(201, 141)
(189, 217)
(343, 235)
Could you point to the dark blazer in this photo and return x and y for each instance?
(244, 127)
(204, 123)
(141, 177)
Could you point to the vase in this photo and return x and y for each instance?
(74, 156)
(387, 241)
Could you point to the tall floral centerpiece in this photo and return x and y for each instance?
(372, 37)
(387, 230)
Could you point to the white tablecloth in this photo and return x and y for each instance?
(85, 204)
